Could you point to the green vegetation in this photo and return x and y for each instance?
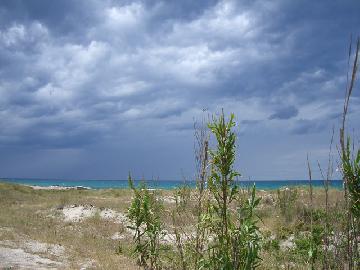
(286, 199)
(28, 214)
(144, 213)
(236, 238)
(233, 238)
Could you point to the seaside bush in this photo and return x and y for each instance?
(144, 214)
(308, 246)
(235, 242)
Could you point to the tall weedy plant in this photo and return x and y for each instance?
(221, 185)
(202, 199)
(191, 206)
(144, 214)
(326, 178)
(350, 171)
(221, 182)
(235, 236)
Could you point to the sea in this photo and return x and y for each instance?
(165, 184)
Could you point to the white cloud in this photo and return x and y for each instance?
(124, 17)
(20, 34)
(222, 22)
(13, 35)
(52, 95)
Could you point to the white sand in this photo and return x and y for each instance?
(117, 236)
(58, 188)
(17, 258)
(169, 199)
(77, 213)
(288, 243)
(30, 254)
(38, 247)
(34, 246)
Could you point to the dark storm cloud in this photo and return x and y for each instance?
(182, 127)
(64, 18)
(285, 113)
(78, 73)
(302, 127)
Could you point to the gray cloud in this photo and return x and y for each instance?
(285, 113)
(302, 126)
(75, 75)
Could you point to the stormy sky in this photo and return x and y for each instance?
(94, 89)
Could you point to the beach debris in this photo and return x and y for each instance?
(82, 188)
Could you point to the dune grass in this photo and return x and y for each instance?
(32, 214)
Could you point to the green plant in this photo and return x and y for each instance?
(283, 232)
(272, 245)
(221, 181)
(351, 172)
(286, 199)
(308, 246)
(235, 242)
(222, 188)
(144, 214)
(246, 236)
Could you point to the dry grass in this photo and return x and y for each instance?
(28, 214)
(31, 214)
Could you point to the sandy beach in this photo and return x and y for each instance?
(58, 187)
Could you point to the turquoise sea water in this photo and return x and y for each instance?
(163, 184)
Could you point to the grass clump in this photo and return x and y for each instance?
(286, 199)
